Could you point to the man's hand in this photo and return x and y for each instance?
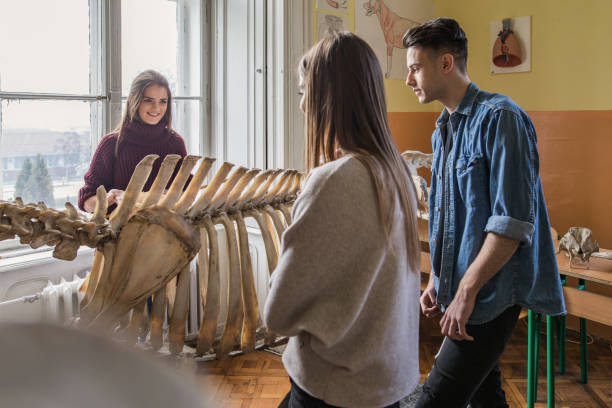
(456, 316)
(495, 252)
(428, 300)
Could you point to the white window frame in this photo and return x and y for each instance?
(297, 32)
(273, 78)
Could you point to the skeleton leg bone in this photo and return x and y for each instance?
(176, 334)
(157, 318)
(136, 323)
(208, 327)
(271, 255)
(249, 296)
(203, 271)
(233, 322)
(278, 224)
(171, 295)
(93, 278)
(91, 309)
(286, 212)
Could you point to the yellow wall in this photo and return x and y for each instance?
(567, 94)
(571, 54)
(399, 97)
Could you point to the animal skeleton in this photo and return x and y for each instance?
(146, 247)
(415, 159)
(578, 241)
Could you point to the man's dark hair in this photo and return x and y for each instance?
(442, 35)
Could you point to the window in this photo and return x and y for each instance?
(65, 71)
(168, 38)
(255, 118)
(50, 99)
(66, 68)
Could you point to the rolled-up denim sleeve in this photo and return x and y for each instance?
(513, 162)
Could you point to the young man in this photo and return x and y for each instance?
(489, 234)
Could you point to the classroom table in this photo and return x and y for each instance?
(579, 302)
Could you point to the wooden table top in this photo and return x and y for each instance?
(600, 270)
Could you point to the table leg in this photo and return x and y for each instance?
(583, 341)
(561, 335)
(561, 330)
(550, 362)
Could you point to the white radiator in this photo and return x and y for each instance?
(54, 304)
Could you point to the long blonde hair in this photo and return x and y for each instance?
(142, 81)
(346, 113)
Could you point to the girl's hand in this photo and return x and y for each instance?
(114, 196)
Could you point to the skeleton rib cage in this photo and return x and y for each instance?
(146, 246)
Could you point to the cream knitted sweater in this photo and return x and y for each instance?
(350, 305)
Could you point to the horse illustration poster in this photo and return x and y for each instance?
(339, 6)
(383, 23)
(511, 45)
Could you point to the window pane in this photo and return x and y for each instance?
(45, 149)
(186, 121)
(44, 46)
(149, 38)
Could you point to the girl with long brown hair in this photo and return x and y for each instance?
(346, 288)
(146, 128)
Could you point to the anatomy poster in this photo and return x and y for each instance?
(383, 23)
(339, 6)
(511, 45)
(330, 23)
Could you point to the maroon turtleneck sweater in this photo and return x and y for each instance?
(137, 141)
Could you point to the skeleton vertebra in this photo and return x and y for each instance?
(145, 247)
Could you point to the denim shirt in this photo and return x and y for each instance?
(491, 183)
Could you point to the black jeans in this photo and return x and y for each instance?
(467, 371)
(298, 398)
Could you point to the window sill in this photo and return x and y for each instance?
(35, 258)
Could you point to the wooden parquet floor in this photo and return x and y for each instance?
(258, 380)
